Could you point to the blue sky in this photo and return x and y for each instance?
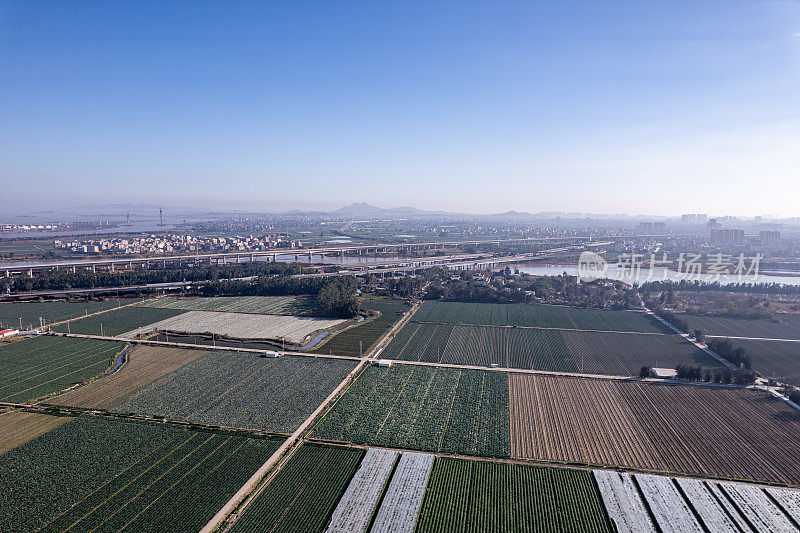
(636, 107)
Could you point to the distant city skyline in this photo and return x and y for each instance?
(661, 108)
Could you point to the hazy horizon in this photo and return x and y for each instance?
(660, 107)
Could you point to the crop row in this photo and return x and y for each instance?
(42, 365)
(530, 315)
(775, 359)
(121, 475)
(117, 321)
(303, 495)
(715, 432)
(26, 314)
(242, 390)
(269, 305)
(543, 349)
(786, 327)
(239, 326)
(466, 496)
(643, 502)
(424, 408)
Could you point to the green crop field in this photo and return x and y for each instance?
(118, 321)
(787, 328)
(466, 496)
(540, 316)
(243, 390)
(346, 342)
(773, 359)
(29, 312)
(303, 495)
(35, 367)
(270, 305)
(114, 475)
(424, 408)
(543, 349)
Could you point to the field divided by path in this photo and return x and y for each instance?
(29, 312)
(39, 366)
(117, 321)
(146, 364)
(120, 475)
(706, 431)
(773, 359)
(543, 349)
(242, 390)
(424, 408)
(541, 316)
(19, 427)
(476, 496)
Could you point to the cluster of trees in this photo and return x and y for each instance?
(794, 395)
(86, 279)
(506, 286)
(740, 376)
(734, 354)
(333, 297)
(696, 285)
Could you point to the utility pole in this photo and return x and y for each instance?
(68, 331)
(41, 323)
(101, 330)
(360, 349)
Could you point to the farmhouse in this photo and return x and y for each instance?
(665, 373)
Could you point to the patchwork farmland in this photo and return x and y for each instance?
(26, 314)
(19, 427)
(119, 475)
(294, 329)
(368, 332)
(718, 432)
(773, 359)
(536, 316)
(424, 408)
(543, 349)
(117, 321)
(242, 390)
(146, 364)
(39, 366)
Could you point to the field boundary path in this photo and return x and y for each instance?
(686, 336)
(751, 338)
(296, 438)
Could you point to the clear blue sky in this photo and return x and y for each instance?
(637, 107)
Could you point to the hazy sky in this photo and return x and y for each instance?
(638, 106)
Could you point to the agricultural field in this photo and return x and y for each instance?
(538, 316)
(304, 493)
(368, 332)
(476, 496)
(294, 329)
(424, 408)
(402, 500)
(242, 390)
(718, 432)
(774, 359)
(35, 367)
(543, 349)
(117, 321)
(358, 503)
(787, 328)
(26, 314)
(145, 365)
(19, 427)
(118, 475)
(267, 305)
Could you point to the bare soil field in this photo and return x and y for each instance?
(715, 432)
(19, 427)
(146, 364)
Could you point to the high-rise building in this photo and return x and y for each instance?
(769, 237)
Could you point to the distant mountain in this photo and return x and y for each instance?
(360, 208)
(365, 209)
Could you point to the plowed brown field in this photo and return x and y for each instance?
(716, 432)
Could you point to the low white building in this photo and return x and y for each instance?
(665, 373)
(5, 333)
